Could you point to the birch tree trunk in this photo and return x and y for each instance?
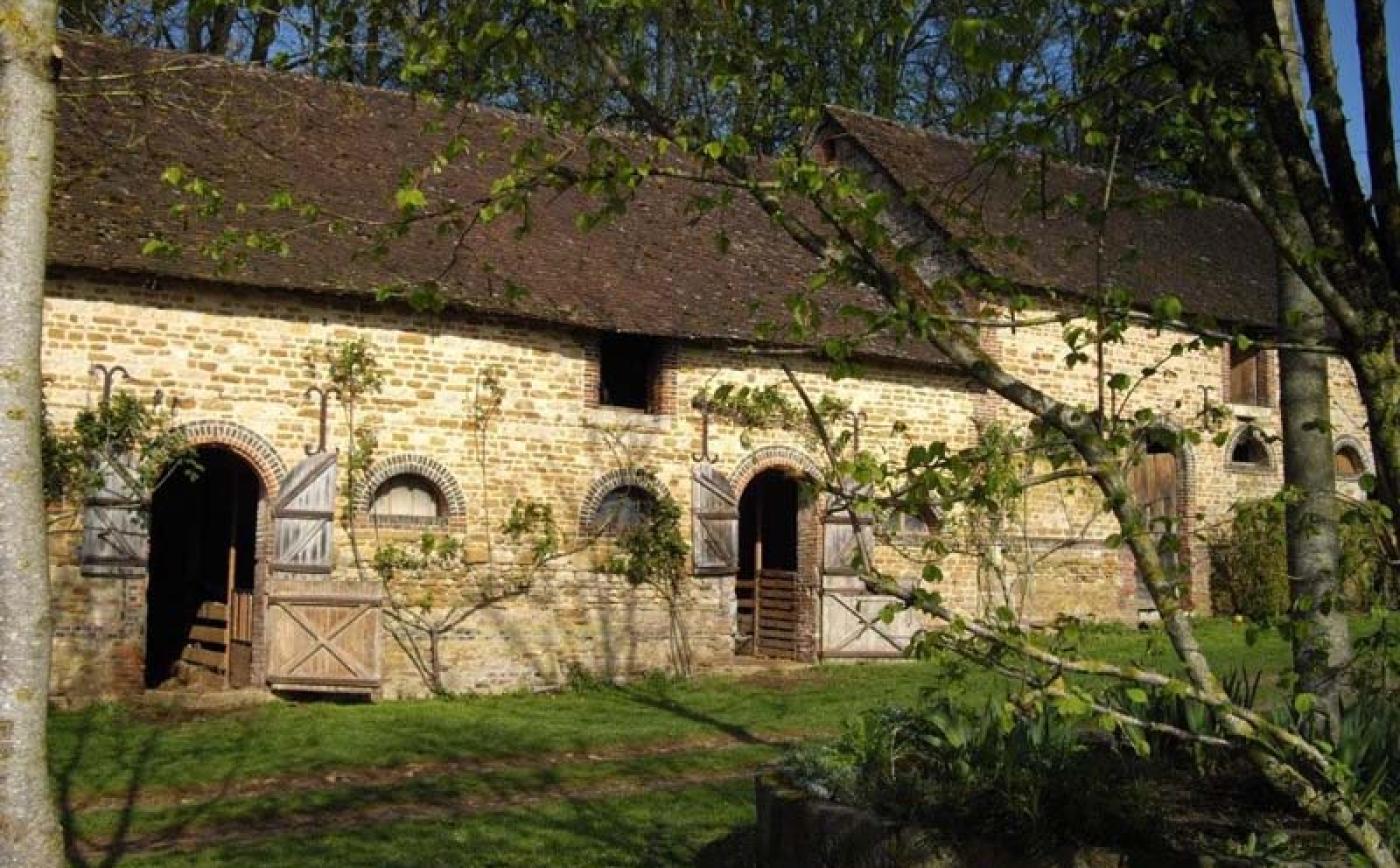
(28, 827)
(1321, 639)
(1320, 635)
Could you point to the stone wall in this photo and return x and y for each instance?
(232, 360)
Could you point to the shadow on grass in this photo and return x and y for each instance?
(103, 825)
(106, 849)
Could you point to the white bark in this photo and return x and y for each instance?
(1321, 640)
(29, 833)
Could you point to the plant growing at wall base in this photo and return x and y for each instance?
(653, 555)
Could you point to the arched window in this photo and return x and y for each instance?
(1350, 464)
(407, 495)
(622, 509)
(1249, 449)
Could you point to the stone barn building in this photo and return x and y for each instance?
(599, 342)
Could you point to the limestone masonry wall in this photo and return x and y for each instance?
(233, 361)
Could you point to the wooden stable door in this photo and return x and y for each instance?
(1154, 485)
(322, 634)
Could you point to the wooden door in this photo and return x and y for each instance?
(322, 635)
(1154, 484)
(769, 589)
(851, 614)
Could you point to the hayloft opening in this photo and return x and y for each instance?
(628, 372)
(199, 600)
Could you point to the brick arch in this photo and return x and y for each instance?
(1245, 430)
(453, 500)
(1347, 441)
(611, 481)
(243, 442)
(772, 458)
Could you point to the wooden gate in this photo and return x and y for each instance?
(1154, 483)
(851, 614)
(772, 615)
(322, 635)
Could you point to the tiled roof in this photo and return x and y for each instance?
(128, 114)
(1215, 257)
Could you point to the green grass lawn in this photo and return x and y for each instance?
(507, 780)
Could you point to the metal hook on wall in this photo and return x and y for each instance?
(324, 396)
(705, 454)
(109, 377)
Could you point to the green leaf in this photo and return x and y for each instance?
(410, 199)
(1304, 703)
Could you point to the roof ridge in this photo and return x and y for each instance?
(1028, 154)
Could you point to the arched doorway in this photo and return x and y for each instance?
(768, 588)
(204, 531)
(1155, 483)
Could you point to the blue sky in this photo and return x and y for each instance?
(1343, 15)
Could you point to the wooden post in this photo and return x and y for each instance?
(757, 572)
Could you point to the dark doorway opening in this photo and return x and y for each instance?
(203, 553)
(768, 566)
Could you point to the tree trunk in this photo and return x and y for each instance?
(27, 105)
(265, 31)
(1321, 640)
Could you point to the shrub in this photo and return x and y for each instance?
(990, 773)
(1249, 561)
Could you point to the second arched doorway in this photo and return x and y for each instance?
(203, 561)
(769, 589)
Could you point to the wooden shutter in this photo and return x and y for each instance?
(116, 537)
(843, 540)
(715, 522)
(1248, 384)
(303, 519)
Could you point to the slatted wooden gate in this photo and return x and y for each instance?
(774, 615)
(850, 613)
(1154, 483)
(322, 635)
